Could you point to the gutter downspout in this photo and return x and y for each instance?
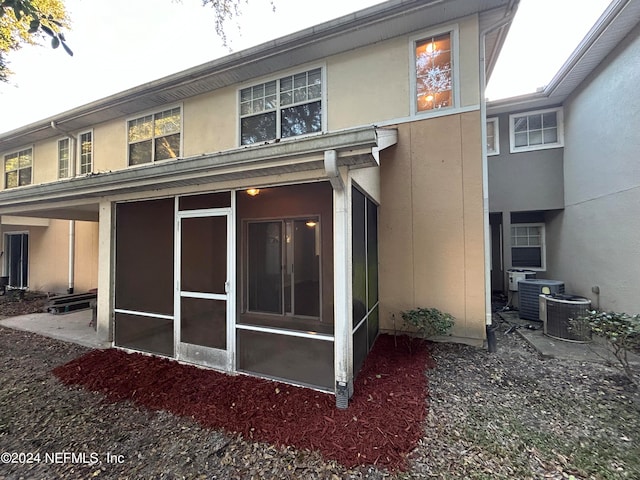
(491, 339)
(72, 223)
(343, 340)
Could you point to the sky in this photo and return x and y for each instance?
(119, 44)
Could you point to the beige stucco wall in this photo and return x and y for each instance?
(49, 255)
(210, 122)
(431, 224)
(365, 86)
(110, 146)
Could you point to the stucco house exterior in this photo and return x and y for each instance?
(564, 175)
(271, 211)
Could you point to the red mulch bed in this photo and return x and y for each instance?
(383, 423)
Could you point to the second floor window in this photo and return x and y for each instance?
(493, 137)
(17, 168)
(283, 108)
(154, 137)
(63, 158)
(433, 73)
(86, 152)
(536, 130)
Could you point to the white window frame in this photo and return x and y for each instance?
(542, 246)
(154, 112)
(79, 147)
(61, 174)
(496, 137)
(4, 166)
(277, 78)
(453, 30)
(528, 148)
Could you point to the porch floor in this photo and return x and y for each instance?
(74, 327)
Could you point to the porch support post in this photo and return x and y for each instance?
(343, 343)
(106, 245)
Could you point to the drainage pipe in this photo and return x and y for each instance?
(72, 223)
(485, 168)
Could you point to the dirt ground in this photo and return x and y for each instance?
(503, 415)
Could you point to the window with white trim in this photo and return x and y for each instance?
(528, 246)
(536, 130)
(433, 70)
(63, 158)
(493, 136)
(18, 168)
(154, 137)
(86, 152)
(282, 108)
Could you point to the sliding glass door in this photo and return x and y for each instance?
(283, 267)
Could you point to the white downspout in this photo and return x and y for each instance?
(343, 339)
(72, 223)
(485, 166)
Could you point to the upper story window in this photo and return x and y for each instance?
(154, 137)
(493, 136)
(434, 82)
(63, 158)
(86, 152)
(283, 108)
(17, 168)
(528, 246)
(536, 130)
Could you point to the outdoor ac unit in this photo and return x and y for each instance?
(516, 276)
(529, 291)
(556, 311)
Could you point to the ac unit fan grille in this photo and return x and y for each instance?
(560, 311)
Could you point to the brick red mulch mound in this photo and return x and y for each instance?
(382, 425)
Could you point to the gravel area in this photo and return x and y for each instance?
(503, 415)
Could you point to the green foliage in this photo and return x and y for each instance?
(429, 322)
(621, 331)
(22, 21)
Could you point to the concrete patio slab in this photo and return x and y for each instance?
(74, 327)
(550, 347)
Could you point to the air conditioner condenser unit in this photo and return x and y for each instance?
(556, 312)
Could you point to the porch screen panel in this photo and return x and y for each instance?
(204, 322)
(146, 334)
(372, 254)
(204, 254)
(144, 275)
(205, 200)
(306, 361)
(360, 347)
(144, 256)
(364, 223)
(359, 248)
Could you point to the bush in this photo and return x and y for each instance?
(429, 322)
(621, 331)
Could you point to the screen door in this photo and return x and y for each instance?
(204, 310)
